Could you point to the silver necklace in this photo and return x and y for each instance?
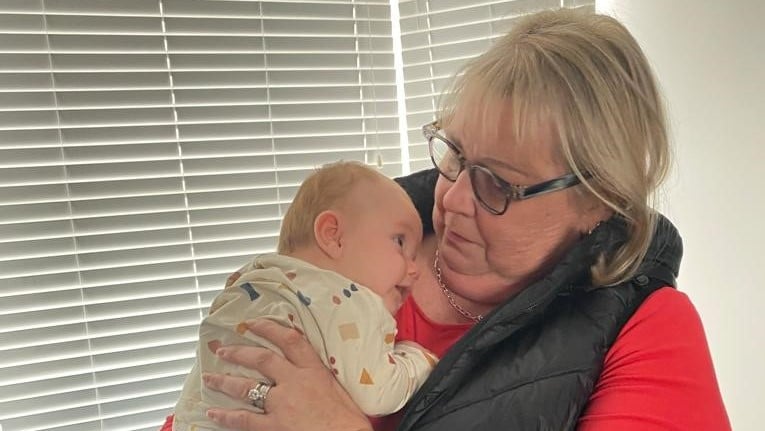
(450, 296)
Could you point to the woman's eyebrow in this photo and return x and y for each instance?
(453, 140)
(488, 161)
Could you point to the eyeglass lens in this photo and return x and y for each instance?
(485, 185)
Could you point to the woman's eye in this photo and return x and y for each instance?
(452, 162)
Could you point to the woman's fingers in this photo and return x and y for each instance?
(305, 401)
(305, 394)
(265, 361)
(238, 419)
(235, 387)
(292, 343)
(303, 398)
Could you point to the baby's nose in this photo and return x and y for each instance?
(413, 271)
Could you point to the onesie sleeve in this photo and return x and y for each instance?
(379, 374)
(658, 375)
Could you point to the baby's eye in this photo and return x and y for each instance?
(399, 240)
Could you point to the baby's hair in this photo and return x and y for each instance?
(325, 189)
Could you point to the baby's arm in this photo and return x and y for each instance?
(379, 374)
(224, 326)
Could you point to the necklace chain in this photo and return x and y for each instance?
(450, 296)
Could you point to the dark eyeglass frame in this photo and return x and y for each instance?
(511, 191)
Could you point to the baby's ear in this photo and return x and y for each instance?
(328, 232)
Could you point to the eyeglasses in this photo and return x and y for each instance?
(491, 191)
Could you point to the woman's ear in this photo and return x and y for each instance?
(327, 231)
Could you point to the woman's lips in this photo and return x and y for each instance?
(456, 238)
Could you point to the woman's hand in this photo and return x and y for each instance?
(305, 396)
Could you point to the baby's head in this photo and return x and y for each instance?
(351, 219)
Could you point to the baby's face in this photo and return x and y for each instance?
(382, 242)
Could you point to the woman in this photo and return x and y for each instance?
(551, 298)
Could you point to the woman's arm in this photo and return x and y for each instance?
(658, 375)
(305, 397)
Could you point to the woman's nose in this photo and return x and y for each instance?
(458, 197)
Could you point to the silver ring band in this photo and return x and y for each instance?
(257, 395)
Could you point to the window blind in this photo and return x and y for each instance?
(147, 149)
(438, 37)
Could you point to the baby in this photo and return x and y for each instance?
(345, 262)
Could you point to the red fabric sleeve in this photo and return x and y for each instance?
(658, 375)
(168, 425)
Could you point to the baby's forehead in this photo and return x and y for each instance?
(377, 188)
(385, 196)
(411, 218)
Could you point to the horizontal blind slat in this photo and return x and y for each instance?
(147, 152)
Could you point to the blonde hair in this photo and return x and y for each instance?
(584, 77)
(326, 188)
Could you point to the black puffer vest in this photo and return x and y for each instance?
(532, 363)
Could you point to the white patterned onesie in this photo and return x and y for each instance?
(346, 323)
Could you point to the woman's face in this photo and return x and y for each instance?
(517, 247)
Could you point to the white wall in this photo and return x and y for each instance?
(709, 56)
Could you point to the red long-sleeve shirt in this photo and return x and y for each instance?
(658, 375)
